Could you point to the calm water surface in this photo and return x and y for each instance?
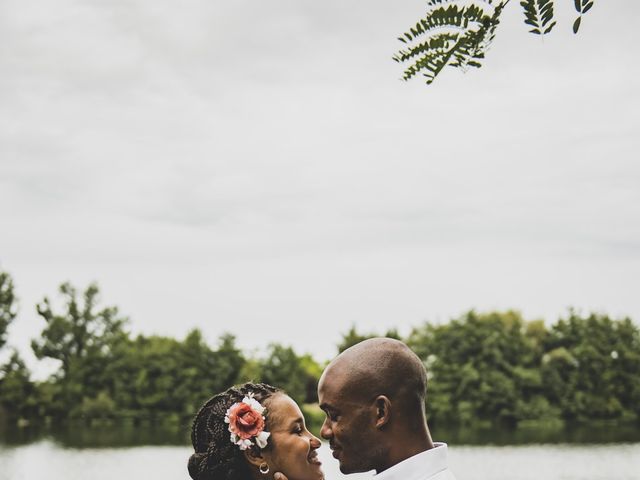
(63, 457)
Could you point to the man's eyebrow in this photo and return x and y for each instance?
(326, 406)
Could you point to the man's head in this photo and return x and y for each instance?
(373, 396)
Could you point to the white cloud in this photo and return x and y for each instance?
(260, 164)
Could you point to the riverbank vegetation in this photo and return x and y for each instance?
(484, 368)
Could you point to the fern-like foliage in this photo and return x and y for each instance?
(582, 7)
(452, 33)
(539, 14)
(457, 33)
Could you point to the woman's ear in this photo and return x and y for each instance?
(255, 457)
(383, 411)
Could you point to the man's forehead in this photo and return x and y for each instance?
(338, 388)
(333, 378)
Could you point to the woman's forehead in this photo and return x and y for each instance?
(282, 411)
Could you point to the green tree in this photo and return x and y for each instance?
(591, 366)
(82, 338)
(352, 337)
(458, 34)
(481, 367)
(211, 371)
(162, 378)
(16, 388)
(228, 362)
(17, 392)
(159, 385)
(80, 331)
(283, 368)
(313, 371)
(8, 305)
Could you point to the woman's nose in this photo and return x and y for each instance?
(315, 442)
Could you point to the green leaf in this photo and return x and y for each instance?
(576, 25)
(456, 36)
(549, 28)
(538, 14)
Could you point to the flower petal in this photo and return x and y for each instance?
(244, 444)
(261, 439)
(253, 403)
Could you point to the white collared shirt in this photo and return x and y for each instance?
(428, 465)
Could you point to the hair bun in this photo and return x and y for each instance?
(216, 457)
(195, 465)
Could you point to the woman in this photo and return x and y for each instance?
(250, 432)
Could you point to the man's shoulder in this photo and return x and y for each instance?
(439, 457)
(431, 464)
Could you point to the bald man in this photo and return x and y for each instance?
(373, 395)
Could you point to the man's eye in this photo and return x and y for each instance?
(332, 416)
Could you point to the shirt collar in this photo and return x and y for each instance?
(422, 465)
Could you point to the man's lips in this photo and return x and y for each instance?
(335, 451)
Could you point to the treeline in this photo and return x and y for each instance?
(498, 367)
(493, 367)
(106, 374)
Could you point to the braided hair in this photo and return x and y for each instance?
(216, 457)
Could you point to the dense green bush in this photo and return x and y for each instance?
(482, 368)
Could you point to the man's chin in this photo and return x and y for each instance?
(349, 469)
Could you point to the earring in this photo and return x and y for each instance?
(264, 468)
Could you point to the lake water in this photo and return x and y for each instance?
(63, 458)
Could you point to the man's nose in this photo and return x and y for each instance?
(325, 430)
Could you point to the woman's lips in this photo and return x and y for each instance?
(313, 458)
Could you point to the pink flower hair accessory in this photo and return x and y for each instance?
(246, 423)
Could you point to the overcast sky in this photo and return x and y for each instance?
(258, 167)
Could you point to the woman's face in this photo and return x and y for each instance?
(293, 448)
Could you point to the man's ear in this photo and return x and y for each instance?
(383, 410)
(254, 456)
